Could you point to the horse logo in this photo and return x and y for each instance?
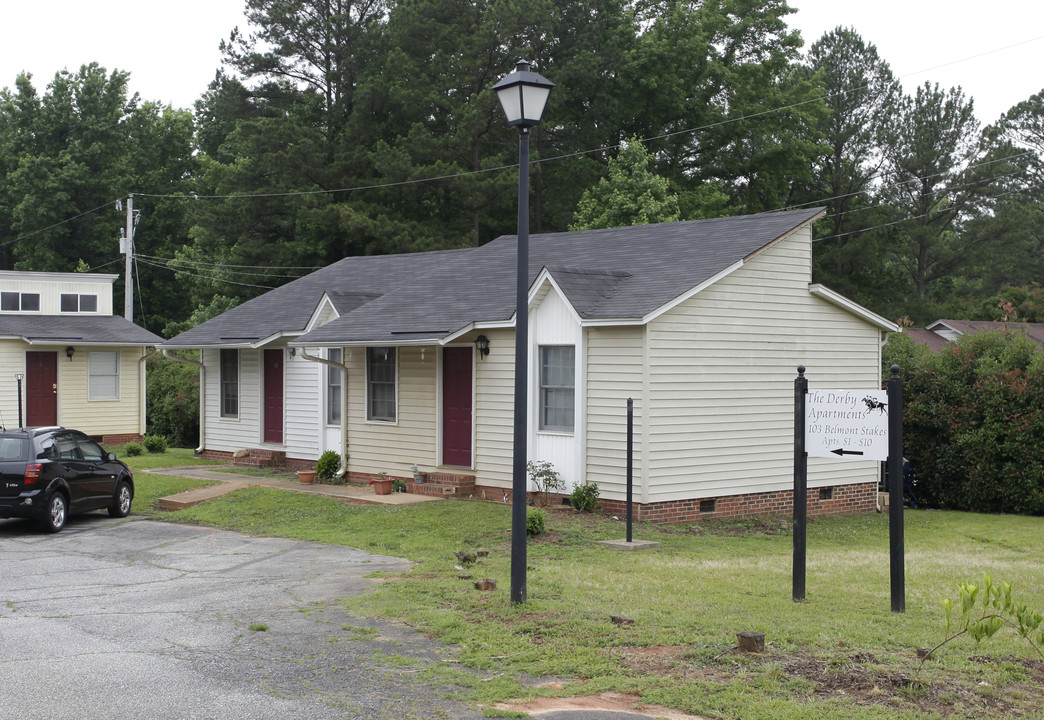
(873, 404)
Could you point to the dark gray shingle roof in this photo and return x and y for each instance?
(616, 273)
(72, 329)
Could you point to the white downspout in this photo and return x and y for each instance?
(142, 390)
(303, 352)
(202, 394)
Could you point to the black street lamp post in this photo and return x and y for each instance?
(523, 95)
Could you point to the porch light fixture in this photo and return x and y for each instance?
(293, 352)
(69, 352)
(523, 95)
(482, 343)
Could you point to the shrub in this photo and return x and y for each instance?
(132, 448)
(584, 497)
(545, 478)
(327, 466)
(972, 418)
(155, 443)
(172, 400)
(535, 521)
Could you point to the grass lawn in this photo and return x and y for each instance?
(148, 488)
(840, 654)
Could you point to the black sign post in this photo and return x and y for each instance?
(895, 491)
(800, 483)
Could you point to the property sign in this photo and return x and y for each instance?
(847, 424)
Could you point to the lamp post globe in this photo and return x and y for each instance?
(523, 95)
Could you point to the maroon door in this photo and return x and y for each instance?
(456, 406)
(273, 396)
(41, 388)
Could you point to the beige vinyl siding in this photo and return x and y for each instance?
(614, 373)
(394, 447)
(244, 431)
(12, 360)
(303, 395)
(98, 417)
(495, 409)
(721, 376)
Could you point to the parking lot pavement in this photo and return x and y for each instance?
(142, 619)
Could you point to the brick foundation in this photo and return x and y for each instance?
(843, 499)
(438, 484)
(120, 439)
(254, 457)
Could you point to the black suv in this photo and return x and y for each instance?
(47, 473)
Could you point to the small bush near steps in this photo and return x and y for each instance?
(584, 497)
(327, 465)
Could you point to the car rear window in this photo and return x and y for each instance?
(12, 449)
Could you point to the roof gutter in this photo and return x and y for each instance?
(303, 352)
(202, 395)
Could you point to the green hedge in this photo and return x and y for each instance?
(973, 421)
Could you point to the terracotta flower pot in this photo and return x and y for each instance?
(382, 487)
(307, 477)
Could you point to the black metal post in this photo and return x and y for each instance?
(518, 474)
(895, 491)
(630, 464)
(800, 483)
(19, 379)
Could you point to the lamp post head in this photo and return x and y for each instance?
(523, 95)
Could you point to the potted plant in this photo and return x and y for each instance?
(418, 476)
(383, 484)
(307, 477)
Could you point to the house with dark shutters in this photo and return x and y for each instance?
(405, 360)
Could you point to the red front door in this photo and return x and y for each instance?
(456, 406)
(41, 388)
(273, 396)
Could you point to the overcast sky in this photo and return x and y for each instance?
(994, 50)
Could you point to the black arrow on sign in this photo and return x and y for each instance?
(839, 451)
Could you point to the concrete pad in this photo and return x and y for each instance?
(633, 545)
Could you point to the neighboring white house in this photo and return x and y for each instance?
(78, 365)
(701, 323)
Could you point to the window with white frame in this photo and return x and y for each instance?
(78, 303)
(19, 302)
(333, 387)
(230, 383)
(103, 375)
(380, 384)
(557, 387)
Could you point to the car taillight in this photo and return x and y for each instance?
(32, 473)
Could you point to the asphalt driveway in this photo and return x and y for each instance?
(136, 618)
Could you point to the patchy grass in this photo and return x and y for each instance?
(840, 654)
(150, 487)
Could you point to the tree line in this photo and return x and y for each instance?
(349, 127)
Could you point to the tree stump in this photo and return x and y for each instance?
(751, 641)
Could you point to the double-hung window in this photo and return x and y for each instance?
(230, 383)
(103, 375)
(333, 387)
(557, 387)
(380, 384)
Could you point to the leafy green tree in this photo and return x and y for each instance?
(68, 155)
(630, 195)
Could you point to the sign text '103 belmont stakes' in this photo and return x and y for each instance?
(847, 424)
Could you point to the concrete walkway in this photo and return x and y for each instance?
(232, 481)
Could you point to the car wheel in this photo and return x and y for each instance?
(57, 511)
(121, 501)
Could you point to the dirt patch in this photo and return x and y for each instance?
(859, 678)
(734, 527)
(608, 702)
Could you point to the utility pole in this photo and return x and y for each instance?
(128, 250)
